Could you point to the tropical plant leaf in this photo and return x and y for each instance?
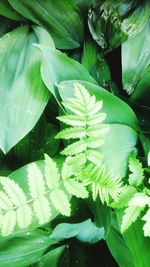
(132, 70)
(62, 19)
(134, 209)
(111, 25)
(43, 196)
(60, 201)
(146, 226)
(53, 62)
(23, 98)
(75, 188)
(24, 249)
(7, 11)
(137, 176)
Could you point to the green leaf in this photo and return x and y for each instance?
(137, 176)
(75, 188)
(124, 197)
(111, 24)
(52, 175)
(115, 153)
(23, 98)
(85, 231)
(57, 67)
(24, 249)
(118, 247)
(130, 216)
(31, 202)
(7, 11)
(62, 19)
(137, 243)
(134, 209)
(146, 226)
(117, 111)
(135, 60)
(60, 201)
(51, 258)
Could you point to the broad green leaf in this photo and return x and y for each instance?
(102, 214)
(146, 226)
(118, 246)
(135, 60)
(51, 258)
(7, 11)
(23, 97)
(121, 138)
(61, 18)
(145, 140)
(112, 23)
(141, 93)
(57, 67)
(85, 231)
(40, 140)
(119, 143)
(24, 249)
(136, 242)
(43, 211)
(124, 197)
(117, 111)
(94, 62)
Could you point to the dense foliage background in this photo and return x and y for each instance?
(46, 46)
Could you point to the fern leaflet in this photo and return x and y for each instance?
(137, 173)
(86, 121)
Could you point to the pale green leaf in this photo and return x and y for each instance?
(95, 142)
(23, 98)
(73, 132)
(36, 181)
(8, 223)
(124, 197)
(96, 118)
(24, 216)
(97, 130)
(75, 188)
(72, 120)
(5, 201)
(42, 209)
(137, 176)
(75, 148)
(94, 156)
(60, 202)
(52, 175)
(72, 165)
(130, 216)
(146, 226)
(14, 191)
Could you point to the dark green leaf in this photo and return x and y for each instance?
(24, 249)
(7, 11)
(57, 67)
(135, 60)
(51, 258)
(60, 18)
(111, 23)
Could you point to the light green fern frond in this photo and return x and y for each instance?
(45, 194)
(135, 206)
(137, 173)
(146, 226)
(86, 121)
(102, 183)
